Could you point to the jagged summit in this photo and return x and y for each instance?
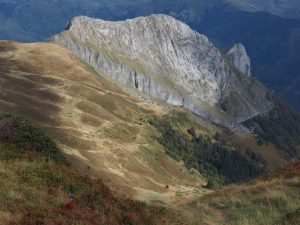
(159, 21)
(162, 18)
(165, 58)
(239, 58)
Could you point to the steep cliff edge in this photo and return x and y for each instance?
(165, 58)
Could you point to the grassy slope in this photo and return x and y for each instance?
(38, 186)
(90, 117)
(42, 188)
(103, 131)
(100, 128)
(271, 200)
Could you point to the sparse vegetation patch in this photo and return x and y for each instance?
(218, 160)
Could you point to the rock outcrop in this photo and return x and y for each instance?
(239, 58)
(165, 58)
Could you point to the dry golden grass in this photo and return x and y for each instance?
(274, 199)
(100, 128)
(103, 131)
(34, 191)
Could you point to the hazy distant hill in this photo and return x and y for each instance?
(284, 8)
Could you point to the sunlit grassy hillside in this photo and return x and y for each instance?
(101, 137)
(136, 148)
(39, 186)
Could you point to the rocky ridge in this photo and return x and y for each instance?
(165, 58)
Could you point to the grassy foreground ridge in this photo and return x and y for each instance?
(273, 199)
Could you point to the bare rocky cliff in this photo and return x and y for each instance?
(165, 58)
(240, 59)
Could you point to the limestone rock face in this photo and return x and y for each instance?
(166, 59)
(239, 58)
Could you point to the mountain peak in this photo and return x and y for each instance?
(162, 18)
(239, 58)
(156, 23)
(167, 60)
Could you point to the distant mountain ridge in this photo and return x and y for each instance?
(283, 8)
